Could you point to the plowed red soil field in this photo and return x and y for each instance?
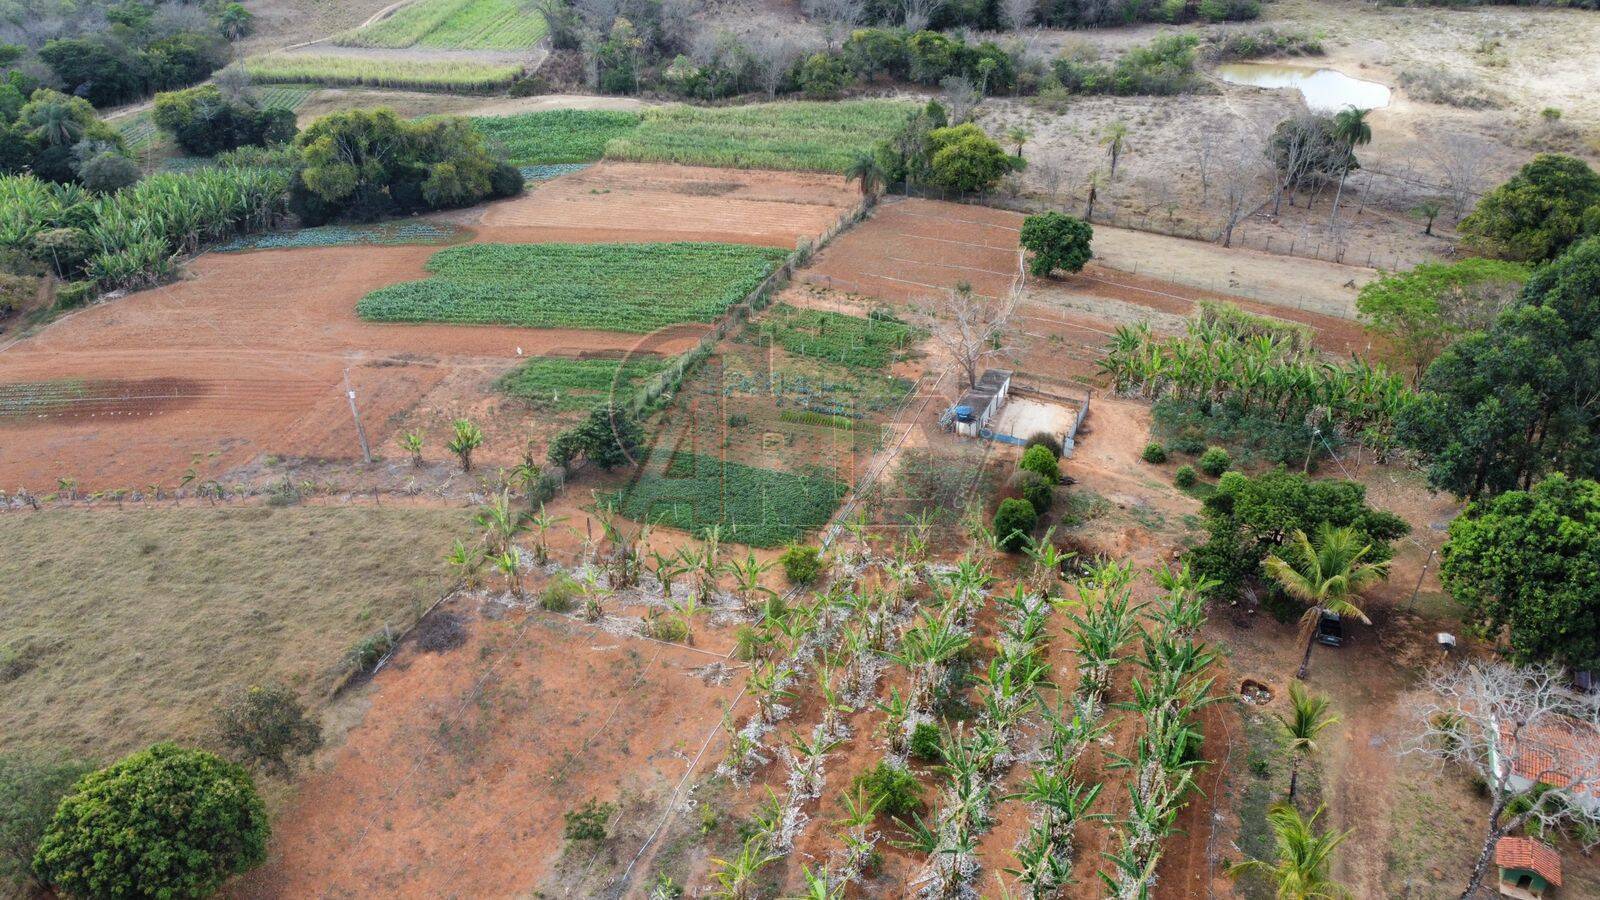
(253, 353)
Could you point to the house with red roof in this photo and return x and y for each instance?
(1528, 868)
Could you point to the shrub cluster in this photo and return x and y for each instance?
(206, 123)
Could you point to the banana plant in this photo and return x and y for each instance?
(501, 523)
(1101, 631)
(747, 578)
(924, 649)
(509, 565)
(735, 878)
(896, 713)
(540, 523)
(768, 685)
(667, 567)
(818, 888)
(1042, 869)
(808, 754)
(469, 562)
(1048, 561)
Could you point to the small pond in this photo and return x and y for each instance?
(1325, 90)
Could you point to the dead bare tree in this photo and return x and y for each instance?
(974, 328)
(836, 15)
(916, 14)
(1208, 148)
(1018, 14)
(775, 54)
(1240, 170)
(1299, 148)
(961, 97)
(1460, 160)
(1499, 722)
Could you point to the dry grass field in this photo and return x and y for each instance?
(119, 628)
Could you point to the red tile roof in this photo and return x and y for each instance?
(1557, 754)
(1526, 853)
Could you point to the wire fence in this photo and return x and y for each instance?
(1305, 242)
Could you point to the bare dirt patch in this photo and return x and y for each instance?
(456, 782)
(642, 202)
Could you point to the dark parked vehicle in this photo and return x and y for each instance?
(1330, 630)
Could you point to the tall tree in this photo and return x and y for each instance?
(1350, 128)
(1541, 211)
(1327, 575)
(1421, 312)
(1501, 409)
(1115, 139)
(1528, 562)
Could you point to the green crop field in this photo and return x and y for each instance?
(282, 96)
(854, 341)
(613, 287)
(412, 74)
(556, 136)
(794, 135)
(561, 384)
(760, 507)
(453, 25)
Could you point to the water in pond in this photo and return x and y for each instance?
(1325, 90)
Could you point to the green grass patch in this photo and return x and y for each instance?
(759, 507)
(807, 417)
(562, 385)
(613, 287)
(282, 96)
(139, 131)
(854, 341)
(453, 25)
(383, 234)
(557, 135)
(792, 135)
(407, 74)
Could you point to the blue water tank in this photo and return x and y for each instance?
(964, 413)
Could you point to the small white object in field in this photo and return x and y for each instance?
(1447, 640)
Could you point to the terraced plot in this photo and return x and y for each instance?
(447, 74)
(611, 287)
(556, 135)
(563, 384)
(794, 135)
(453, 25)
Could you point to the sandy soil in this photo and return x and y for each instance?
(253, 351)
(456, 781)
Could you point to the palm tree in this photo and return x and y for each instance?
(1327, 576)
(55, 122)
(1351, 130)
(865, 170)
(465, 438)
(1304, 857)
(1115, 138)
(1018, 136)
(1308, 716)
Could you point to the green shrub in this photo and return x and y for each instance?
(749, 642)
(926, 743)
(802, 563)
(1215, 461)
(163, 822)
(265, 725)
(1038, 491)
(1038, 458)
(560, 594)
(588, 822)
(366, 653)
(1186, 477)
(1014, 522)
(665, 628)
(1154, 454)
(893, 790)
(1057, 241)
(965, 159)
(1044, 439)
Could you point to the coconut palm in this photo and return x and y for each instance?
(1308, 716)
(55, 122)
(865, 170)
(465, 437)
(1351, 129)
(1115, 139)
(1301, 871)
(1328, 576)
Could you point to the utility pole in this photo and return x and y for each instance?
(1412, 603)
(361, 433)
